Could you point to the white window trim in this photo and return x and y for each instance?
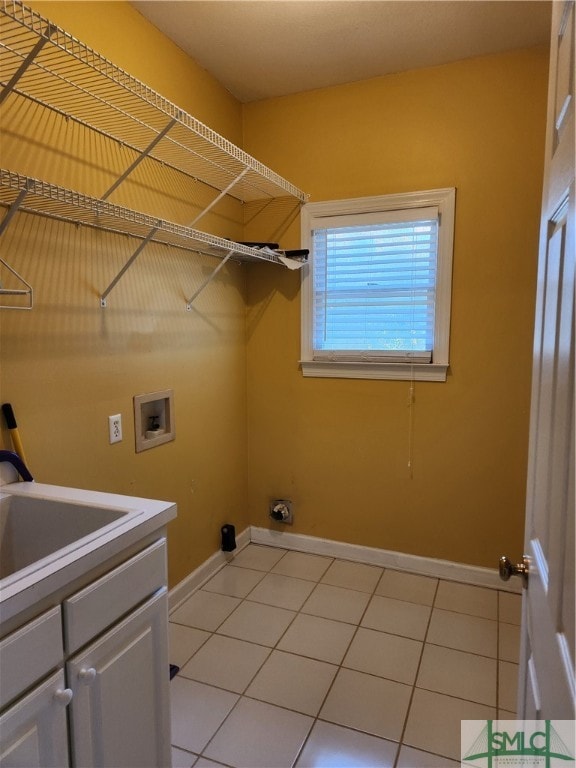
(444, 200)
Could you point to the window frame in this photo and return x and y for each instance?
(436, 370)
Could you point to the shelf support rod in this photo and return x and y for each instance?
(28, 291)
(220, 196)
(140, 157)
(128, 264)
(13, 208)
(208, 280)
(48, 32)
(3, 226)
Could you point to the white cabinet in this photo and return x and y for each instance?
(119, 713)
(34, 732)
(103, 656)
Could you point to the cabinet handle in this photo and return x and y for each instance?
(63, 696)
(87, 675)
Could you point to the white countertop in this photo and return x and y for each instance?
(20, 590)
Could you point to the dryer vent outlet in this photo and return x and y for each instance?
(281, 511)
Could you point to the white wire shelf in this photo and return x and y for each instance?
(23, 193)
(44, 199)
(46, 65)
(43, 63)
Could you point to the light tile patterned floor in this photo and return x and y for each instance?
(290, 659)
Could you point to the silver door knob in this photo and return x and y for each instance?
(507, 568)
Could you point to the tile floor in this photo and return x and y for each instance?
(289, 659)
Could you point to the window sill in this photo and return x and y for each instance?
(358, 370)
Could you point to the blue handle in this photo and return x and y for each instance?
(17, 463)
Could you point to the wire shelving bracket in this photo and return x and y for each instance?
(27, 291)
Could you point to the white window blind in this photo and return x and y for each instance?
(374, 286)
(376, 293)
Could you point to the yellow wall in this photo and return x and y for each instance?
(68, 364)
(339, 448)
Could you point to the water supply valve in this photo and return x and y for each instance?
(281, 511)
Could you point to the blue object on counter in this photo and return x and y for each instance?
(17, 463)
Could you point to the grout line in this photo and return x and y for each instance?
(457, 698)
(243, 695)
(202, 644)
(411, 699)
(240, 695)
(461, 650)
(339, 668)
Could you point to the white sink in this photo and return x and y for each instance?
(32, 529)
(51, 535)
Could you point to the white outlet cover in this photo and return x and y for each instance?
(115, 428)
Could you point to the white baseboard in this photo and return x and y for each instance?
(425, 566)
(399, 561)
(204, 572)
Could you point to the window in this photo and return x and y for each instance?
(376, 293)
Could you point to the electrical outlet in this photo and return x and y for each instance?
(115, 428)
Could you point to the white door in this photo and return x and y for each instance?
(546, 686)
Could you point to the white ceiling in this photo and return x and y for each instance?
(260, 49)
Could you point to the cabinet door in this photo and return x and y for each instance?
(33, 732)
(120, 713)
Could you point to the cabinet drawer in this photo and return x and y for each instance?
(28, 654)
(93, 609)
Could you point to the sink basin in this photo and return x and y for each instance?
(52, 536)
(32, 529)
